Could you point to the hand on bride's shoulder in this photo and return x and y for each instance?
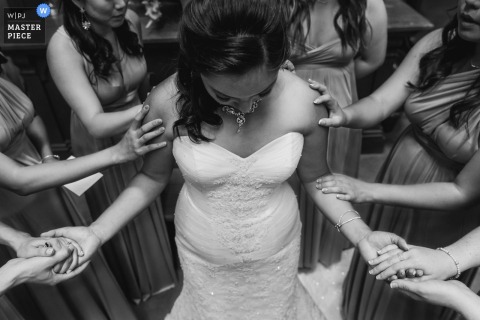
(162, 101)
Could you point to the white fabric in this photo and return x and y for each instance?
(238, 233)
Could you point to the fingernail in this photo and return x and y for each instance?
(378, 277)
(146, 107)
(379, 252)
(370, 261)
(81, 253)
(324, 189)
(50, 251)
(321, 122)
(316, 101)
(310, 80)
(370, 271)
(337, 196)
(393, 285)
(68, 271)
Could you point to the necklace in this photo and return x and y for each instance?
(239, 114)
(473, 65)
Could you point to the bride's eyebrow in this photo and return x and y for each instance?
(266, 90)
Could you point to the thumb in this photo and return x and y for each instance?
(400, 242)
(54, 233)
(327, 122)
(404, 285)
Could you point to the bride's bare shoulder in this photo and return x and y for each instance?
(162, 101)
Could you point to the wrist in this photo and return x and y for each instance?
(453, 264)
(115, 155)
(97, 231)
(16, 240)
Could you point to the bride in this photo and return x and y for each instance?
(237, 126)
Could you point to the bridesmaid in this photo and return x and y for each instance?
(334, 42)
(96, 60)
(433, 166)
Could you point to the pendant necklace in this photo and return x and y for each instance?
(239, 114)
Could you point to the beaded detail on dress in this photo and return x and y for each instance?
(238, 233)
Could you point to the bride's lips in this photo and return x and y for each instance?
(466, 19)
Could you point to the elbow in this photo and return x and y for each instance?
(22, 189)
(97, 131)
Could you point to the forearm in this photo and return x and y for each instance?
(467, 304)
(365, 113)
(134, 199)
(38, 134)
(11, 237)
(108, 124)
(435, 196)
(333, 209)
(30, 179)
(8, 277)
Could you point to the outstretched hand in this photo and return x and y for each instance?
(336, 116)
(425, 263)
(84, 236)
(376, 241)
(346, 188)
(134, 142)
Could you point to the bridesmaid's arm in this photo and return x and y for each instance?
(461, 193)
(24, 180)
(372, 56)
(312, 164)
(141, 191)
(37, 132)
(69, 74)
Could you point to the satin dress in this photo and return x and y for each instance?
(238, 233)
(140, 254)
(335, 68)
(94, 294)
(430, 150)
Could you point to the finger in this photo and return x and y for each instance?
(337, 189)
(394, 269)
(74, 273)
(392, 278)
(399, 241)
(326, 178)
(76, 246)
(344, 197)
(329, 183)
(419, 273)
(54, 233)
(151, 124)
(137, 121)
(388, 248)
(56, 269)
(411, 273)
(405, 285)
(325, 99)
(66, 264)
(390, 266)
(150, 135)
(74, 263)
(317, 86)
(385, 255)
(401, 274)
(327, 122)
(151, 147)
(39, 248)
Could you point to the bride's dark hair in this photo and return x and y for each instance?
(439, 63)
(224, 37)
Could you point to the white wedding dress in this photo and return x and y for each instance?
(238, 233)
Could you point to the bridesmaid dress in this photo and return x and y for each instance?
(335, 68)
(139, 255)
(92, 295)
(430, 150)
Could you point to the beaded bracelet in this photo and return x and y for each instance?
(340, 223)
(50, 156)
(455, 261)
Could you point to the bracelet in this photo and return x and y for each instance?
(50, 156)
(340, 223)
(455, 261)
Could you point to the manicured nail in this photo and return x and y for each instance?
(321, 122)
(161, 130)
(50, 251)
(81, 253)
(370, 262)
(324, 190)
(393, 285)
(68, 271)
(146, 107)
(378, 277)
(370, 271)
(310, 80)
(316, 101)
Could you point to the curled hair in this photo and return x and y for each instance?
(439, 63)
(96, 49)
(224, 37)
(350, 22)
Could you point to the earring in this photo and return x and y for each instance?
(85, 23)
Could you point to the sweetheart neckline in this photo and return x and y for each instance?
(252, 154)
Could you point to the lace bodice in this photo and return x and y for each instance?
(238, 233)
